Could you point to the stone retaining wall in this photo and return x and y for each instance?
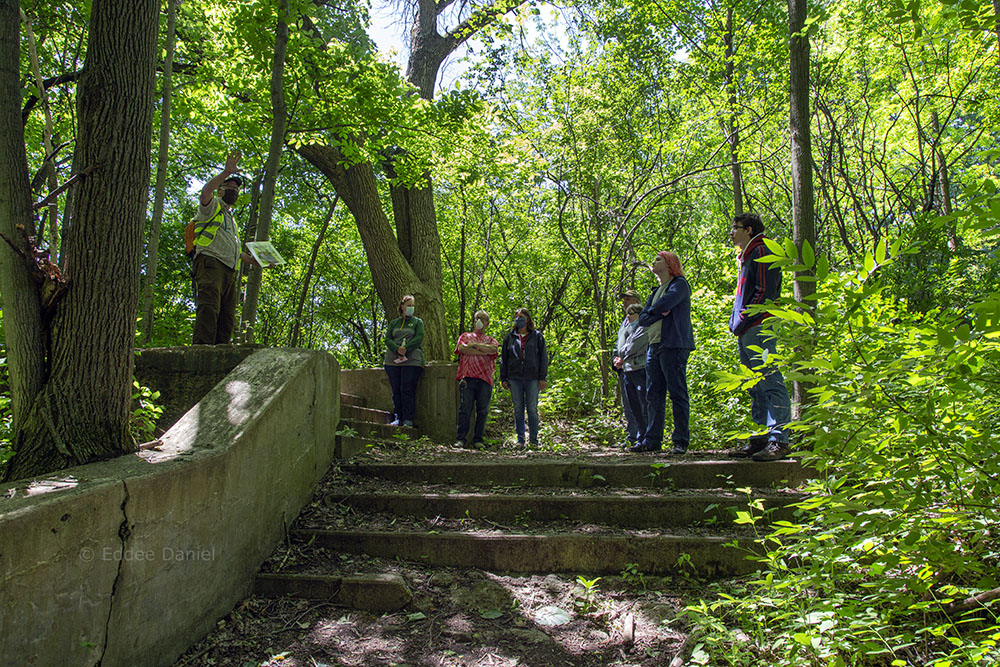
(130, 561)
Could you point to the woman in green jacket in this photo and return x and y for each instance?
(404, 360)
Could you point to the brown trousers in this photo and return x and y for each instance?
(216, 298)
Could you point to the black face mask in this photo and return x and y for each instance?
(230, 196)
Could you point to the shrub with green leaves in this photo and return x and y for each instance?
(901, 528)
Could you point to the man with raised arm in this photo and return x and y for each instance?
(217, 255)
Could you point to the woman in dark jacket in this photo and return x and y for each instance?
(667, 318)
(404, 360)
(524, 363)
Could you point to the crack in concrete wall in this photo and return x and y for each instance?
(124, 532)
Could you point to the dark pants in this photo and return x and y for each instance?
(216, 298)
(666, 371)
(403, 380)
(478, 392)
(634, 402)
(771, 407)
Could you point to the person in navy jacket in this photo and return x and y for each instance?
(758, 283)
(667, 319)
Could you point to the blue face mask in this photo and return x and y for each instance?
(520, 322)
(408, 311)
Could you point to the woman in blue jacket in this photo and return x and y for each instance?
(667, 318)
(524, 363)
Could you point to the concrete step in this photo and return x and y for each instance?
(367, 429)
(659, 554)
(645, 510)
(666, 474)
(352, 399)
(358, 413)
(382, 593)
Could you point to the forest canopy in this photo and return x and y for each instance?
(566, 145)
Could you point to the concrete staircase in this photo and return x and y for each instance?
(521, 513)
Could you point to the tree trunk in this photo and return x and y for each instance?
(734, 118)
(50, 157)
(944, 184)
(22, 312)
(153, 244)
(82, 412)
(803, 211)
(297, 323)
(392, 275)
(280, 118)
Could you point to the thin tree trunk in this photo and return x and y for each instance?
(296, 325)
(50, 157)
(734, 119)
(803, 211)
(153, 244)
(280, 117)
(24, 337)
(944, 183)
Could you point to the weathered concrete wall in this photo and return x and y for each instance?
(437, 397)
(183, 375)
(130, 561)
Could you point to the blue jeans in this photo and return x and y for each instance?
(771, 405)
(403, 380)
(524, 394)
(478, 392)
(666, 371)
(634, 402)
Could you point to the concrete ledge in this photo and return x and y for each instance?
(130, 561)
(382, 593)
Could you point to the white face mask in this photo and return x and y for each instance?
(408, 311)
(480, 325)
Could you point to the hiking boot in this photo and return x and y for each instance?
(678, 450)
(643, 447)
(747, 449)
(774, 451)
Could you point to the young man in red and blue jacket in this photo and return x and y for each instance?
(759, 283)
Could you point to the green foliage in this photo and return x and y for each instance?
(145, 412)
(901, 521)
(6, 417)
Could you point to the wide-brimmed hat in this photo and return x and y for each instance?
(630, 293)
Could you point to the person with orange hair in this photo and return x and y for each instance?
(667, 319)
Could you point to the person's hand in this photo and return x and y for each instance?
(232, 161)
(401, 350)
(541, 385)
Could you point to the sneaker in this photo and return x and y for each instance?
(774, 451)
(394, 422)
(479, 444)
(460, 444)
(407, 422)
(642, 447)
(678, 450)
(747, 449)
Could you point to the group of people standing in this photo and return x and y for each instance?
(651, 355)
(524, 364)
(655, 341)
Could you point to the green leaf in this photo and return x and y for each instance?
(808, 256)
(775, 247)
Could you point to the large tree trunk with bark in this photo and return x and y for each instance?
(803, 203)
(81, 413)
(409, 260)
(392, 274)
